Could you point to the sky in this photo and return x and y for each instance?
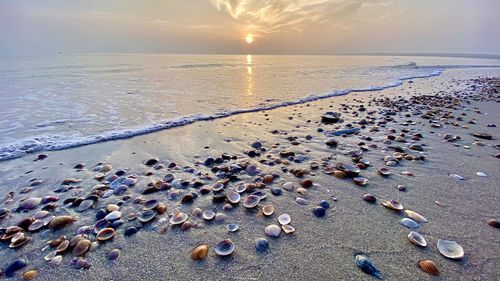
(221, 26)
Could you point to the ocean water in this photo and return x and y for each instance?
(62, 101)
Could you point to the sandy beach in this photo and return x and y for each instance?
(321, 248)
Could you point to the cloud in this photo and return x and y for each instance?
(291, 15)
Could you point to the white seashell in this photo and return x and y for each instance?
(481, 174)
(273, 230)
(409, 223)
(284, 219)
(450, 249)
(415, 216)
(113, 215)
(458, 177)
(417, 239)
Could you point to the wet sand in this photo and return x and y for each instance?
(321, 248)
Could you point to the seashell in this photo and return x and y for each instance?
(481, 174)
(306, 183)
(339, 174)
(251, 201)
(458, 177)
(150, 204)
(494, 223)
(268, 210)
(197, 212)
(218, 187)
(113, 216)
(200, 252)
(147, 216)
(301, 201)
(450, 249)
(29, 275)
(186, 225)
(82, 246)
(100, 225)
(288, 229)
(19, 241)
(113, 254)
(251, 169)
(17, 236)
(261, 244)
(30, 203)
(10, 232)
(349, 170)
(284, 219)
(409, 223)
(415, 216)
(85, 204)
(220, 217)
(232, 227)
(288, 186)
(36, 225)
(367, 266)
(241, 188)
(417, 239)
(384, 172)
(429, 267)
(369, 198)
(262, 195)
(224, 247)
(105, 234)
(24, 224)
(233, 197)
(319, 211)
(61, 221)
(41, 214)
(393, 204)
(4, 212)
(75, 239)
(55, 261)
(83, 229)
(80, 263)
(15, 266)
(360, 180)
(63, 246)
(50, 255)
(267, 179)
(273, 230)
(302, 191)
(178, 218)
(208, 215)
(55, 243)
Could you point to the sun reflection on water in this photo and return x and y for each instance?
(249, 76)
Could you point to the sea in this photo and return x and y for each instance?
(66, 100)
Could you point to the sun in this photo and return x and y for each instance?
(249, 39)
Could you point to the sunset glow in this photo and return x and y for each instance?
(249, 39)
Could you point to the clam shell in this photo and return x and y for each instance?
(429, 267)
(261, 194)
(369, 198)
(494, 223)
(367, 266)
(113, 254)
(55, 261)
(288, 186)
(415, 216)
(273, 230)
(233, 197)
(208, 215)
(41, 214)
(232, 227)
(19, 242)
(85, 204)
(61, 221)
(241, 188)
(100, 225)
(251, 201)
(147, 216)
(4, 212)
(113, 216)
(150, 204)
(409, 223)
(178, 218)
(284, 219)
(384, 172)
(10, 232)
(393, 204)
(50, 255)
(224, 247)
(218, 187)
(200, 252)
(349, 170)
(417, 239)
(36, 225)
(62, 247)
(450, 249)
(288, 229)
(76, 239)
(268, 210)
(105, 234)
(30, 203)
(83, 246)
(360, 180)
(29, 274)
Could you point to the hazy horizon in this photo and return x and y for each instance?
(295, 27)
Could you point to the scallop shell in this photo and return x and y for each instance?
(233, 197)
(251, 201)
(450, 249)
(415, 216)
(208, 215)
(178, 218)
(417, 239)
(273, 230)
(200, 252)
(288, 229)
(147, 216)
(284, 219)
(409, 223)
(429, 267)
(393, 204)
(105, 234)
(268, 210)
(224, 247)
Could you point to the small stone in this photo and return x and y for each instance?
(306, 183)
(324, 204)
(151, 162)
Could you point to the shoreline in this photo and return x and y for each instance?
(320, 247)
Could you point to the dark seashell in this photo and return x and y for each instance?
(276, 191)
(82, 246)
(21, 240)
(63, 246)
(187, 198)
(219, 198)
(130, 231)
(4, 212)
(76, 239)
(306, 183)
(69, 200)
(117, 224)
(186, 225)
(367, 266)
(151, 162)
(209, 161)
(49, 207)
(324, 204)
(261, 244)
(101, 214)
(494, 223)
(149, 190)
(36, 225)
(99, 225)
(48, 199)
(349, 170)
(319, 211)
(151, 204)
(224, 247)
(24, 224)
(30, 203)
(113, 255)
(369, 198)
(15, 266)
(105, 234)
(147, 216)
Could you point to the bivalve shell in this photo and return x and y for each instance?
(200, 252)
(393, 204)
(105, 234)
(224, 247)
(178, 218)
(450, 249)
(147, 216)
(284, 219)
(83, 246)
(415, 216)
(251, 201)
(208, 215)
(417, 239)
(429, 267)
(233, 197)
(409, 223)
(273, 230)
(288, 229)
(268, 210)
